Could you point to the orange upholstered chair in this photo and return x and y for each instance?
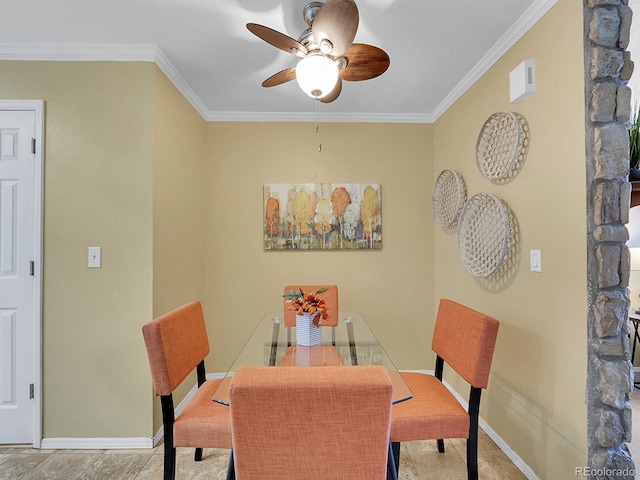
(177, 344)
(324, 423)
(330, 298)
(464, 339)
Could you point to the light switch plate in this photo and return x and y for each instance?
(95, 257)
(536, 260)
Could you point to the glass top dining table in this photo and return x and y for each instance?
(350, 343)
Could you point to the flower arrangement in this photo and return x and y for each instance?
(309, 303)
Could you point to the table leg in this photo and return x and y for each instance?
(635, 340)
(352, 344)
(274, 345)
(392, 470)
(231, 469)
(636, 337)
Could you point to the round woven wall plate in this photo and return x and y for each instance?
(484, 233)
(501, 145)
(449, 195)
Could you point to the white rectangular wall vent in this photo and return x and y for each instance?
(522, 81)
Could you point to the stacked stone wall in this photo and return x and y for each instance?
(608, 68)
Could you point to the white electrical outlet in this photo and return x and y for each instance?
(95, 257)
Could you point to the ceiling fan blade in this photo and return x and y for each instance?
(364, 62)
(281, 77)
(333, 94)
(277, 39)
(336, 23)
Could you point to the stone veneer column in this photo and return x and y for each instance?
(608, 67)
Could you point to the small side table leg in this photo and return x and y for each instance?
(636, 337)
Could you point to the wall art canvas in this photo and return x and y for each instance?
(322, 216)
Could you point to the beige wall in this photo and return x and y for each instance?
(97, 192)
(392, 288)
(178, 208)
(124, 170)
(535, 399)
(178, 188)
(176, 205)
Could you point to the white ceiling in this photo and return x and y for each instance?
(437, 50)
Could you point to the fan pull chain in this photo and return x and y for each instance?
(318, 127)
(319, 138)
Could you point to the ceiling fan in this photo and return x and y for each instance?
(326, 51)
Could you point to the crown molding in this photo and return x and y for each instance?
(174, 76)
(153, 53)
(528, 19)
(317, 117)
(80, 52)
(75, 52)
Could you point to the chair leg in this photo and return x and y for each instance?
(392, 468)
(169, 449)
(169, 461)
(472, 458)
(202, 378)
(231, 468)
(395, 449)
(472, 441)
(441, 445)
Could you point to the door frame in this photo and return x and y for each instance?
(37, 106)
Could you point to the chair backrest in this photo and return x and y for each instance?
(465, 339)
(330, 298)
(316, 422)
(176, 343)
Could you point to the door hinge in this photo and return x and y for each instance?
(32, 267)
(31, 391)
(33, 145)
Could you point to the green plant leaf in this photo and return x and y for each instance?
(292, 295)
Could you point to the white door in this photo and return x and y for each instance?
(20, 264)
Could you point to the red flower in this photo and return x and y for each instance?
(310, 303)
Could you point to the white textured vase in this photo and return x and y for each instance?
(307, 334)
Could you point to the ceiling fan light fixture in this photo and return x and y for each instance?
(317, 75)
(326, 53)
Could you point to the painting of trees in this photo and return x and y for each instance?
(303, 211)
(271, 217)
(322, 216)
(323, 219)
(369, 213)
(350, 222)
(340, 200)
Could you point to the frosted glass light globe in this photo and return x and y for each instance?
(317, 75)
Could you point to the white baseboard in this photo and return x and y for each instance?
(502, 445)
(117, 443)
(96, 443)
(513, 456)
(143, 442)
